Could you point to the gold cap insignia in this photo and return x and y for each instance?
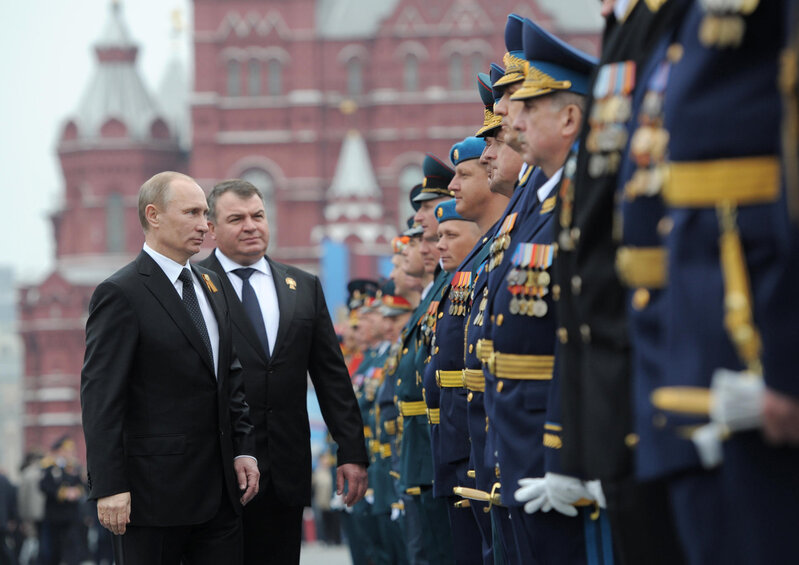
(424, 182)
(292, 283)
(439, 212)
(455, 154)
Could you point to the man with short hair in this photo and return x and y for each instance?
(282, 333)
(169, 440)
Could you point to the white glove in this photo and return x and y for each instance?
(564, 491)
(736, 405)
(337, 502)
(534, 493)
(395, 514)
(595, 488)
(369, 498)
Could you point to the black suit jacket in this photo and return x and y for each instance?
(306, 343)
(157, 421)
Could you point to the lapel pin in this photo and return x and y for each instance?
(292, 283)
(209, 283)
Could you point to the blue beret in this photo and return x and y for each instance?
(554, 65)
(437, 176)
(469, 148)
(515, 65)
(446, 211)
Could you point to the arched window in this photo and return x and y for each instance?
(409, 177)
(275, 77)
(456, 72)
(254, 77)
(264, 182)
(233, 78)
(114, 223)
(354, 77)
(411, 73)
(477, 64)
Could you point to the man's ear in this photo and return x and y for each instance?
(211, 229)
(152, 213)
(572, 119)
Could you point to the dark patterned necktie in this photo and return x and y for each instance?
(191, 304)
(251, 305)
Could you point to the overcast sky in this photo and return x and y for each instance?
(46, 62)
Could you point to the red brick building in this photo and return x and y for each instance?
(328, 106)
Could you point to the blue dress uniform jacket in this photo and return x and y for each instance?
(723, 196)
(519, 376)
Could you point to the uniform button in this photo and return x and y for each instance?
(500, 386)
(585, 333)
(577, 284)
(675, 52)
(440, 315)
(563, 335)
(436, 352)
(399, 382)
(640, 298)
(492, 318)
(556, 292)
(469, 397)
(665, 226)
(471, 347)
(631, 440)
(500, 319)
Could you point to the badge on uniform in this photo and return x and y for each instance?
(528, 280)
(610, 112)
(461, 288)
(501, 241)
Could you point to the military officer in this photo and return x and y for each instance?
(424, 513)
(724, 269)
(595, 369)
(361, 528)
(522, 397)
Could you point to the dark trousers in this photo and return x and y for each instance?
(63, 543)
(272, 530)
(640, 519)
(210, 543)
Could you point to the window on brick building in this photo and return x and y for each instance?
(411, 73)
(275, 77)
(233, 78)
(456, 71)
(114, 223)
(264, 182)
(409, 177)
(254, 77)
(477, 64)
(354, 77)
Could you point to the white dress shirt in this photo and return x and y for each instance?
(546, 188)
(263, 283)
(172, 271)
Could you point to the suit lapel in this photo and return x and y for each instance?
(286, 300)
(237, 313)
(164, 292)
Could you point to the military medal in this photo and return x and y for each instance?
(501, 241)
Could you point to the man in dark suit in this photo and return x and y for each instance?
(282, 332)
(169, 440)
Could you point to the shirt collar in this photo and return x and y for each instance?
(172, 269)
(229, 264)
(547, 187)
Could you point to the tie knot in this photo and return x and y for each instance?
(185, 276)
(244, 273)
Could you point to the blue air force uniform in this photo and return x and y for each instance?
(724, 265)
